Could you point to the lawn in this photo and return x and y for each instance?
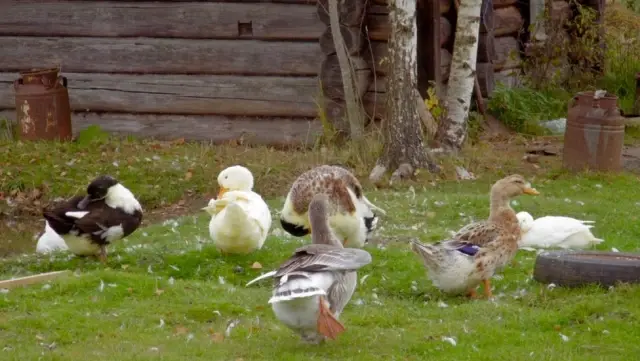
(168, 294)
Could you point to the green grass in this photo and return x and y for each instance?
(522, 109)
(169, 274)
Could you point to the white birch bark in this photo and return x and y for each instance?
(453, 130)
(404, 148)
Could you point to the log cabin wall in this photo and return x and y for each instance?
(215, 71)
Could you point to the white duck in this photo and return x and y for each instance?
(314, 285)
(351, 214)
(240, 219)
(50, 241)
(555, 231)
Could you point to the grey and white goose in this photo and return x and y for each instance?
(314, 285)
(89, 223)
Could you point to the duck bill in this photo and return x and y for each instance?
(531, 191)
(222, 191)
(84, 202)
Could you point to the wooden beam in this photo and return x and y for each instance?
(161, 56)
(432, 42)
(195, 20)
(185, 94)
(211, 128)
(28, 280)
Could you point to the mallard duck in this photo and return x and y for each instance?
(50, 241)
(240, 218)
(555, 231)
(314, 285)
(478, 250)
(88, 224)
(351, 214)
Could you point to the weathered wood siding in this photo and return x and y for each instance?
(203, 70)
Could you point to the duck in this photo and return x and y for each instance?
(49, 241)
(555, 231)
(88, 224)
(351, 214)
(476, 252)
(240, 218)
(312, 287)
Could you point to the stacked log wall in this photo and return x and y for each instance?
(215, 71)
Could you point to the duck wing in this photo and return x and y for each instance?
(58, 220)
(105, 224)
(479, 233)
(324, 258)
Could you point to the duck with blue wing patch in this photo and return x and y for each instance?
(314, 285)
(88, 224)
(476, 252)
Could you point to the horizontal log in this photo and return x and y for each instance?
(507, 53)
(331, 77)
(352, 37)
(376, 55)
(161, 56)
(184, 94)
(212, 128)
(503, 3)
(198, 20)
(350, 12)
(507, 21)
(379, 29)
(381, 6)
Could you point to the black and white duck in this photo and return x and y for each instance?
(89, 223)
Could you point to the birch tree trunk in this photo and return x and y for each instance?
(354, 109)
(453, 130)
(404, 149)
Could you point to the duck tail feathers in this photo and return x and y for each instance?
(296, 287)
(261, 277)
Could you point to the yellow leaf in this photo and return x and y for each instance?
(256, 265)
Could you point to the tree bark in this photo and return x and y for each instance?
(453, 130)
(404, 149)
(354, 109)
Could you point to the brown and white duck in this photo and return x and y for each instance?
(478, 250)
(314, 285)
(351, 214)
(89, 223)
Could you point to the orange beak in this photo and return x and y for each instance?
(222, 191)
(530, 191)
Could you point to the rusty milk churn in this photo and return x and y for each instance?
(595, 133)
(42, 105)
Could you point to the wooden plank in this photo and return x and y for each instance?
(212, 128)
(28, 280)
(486, 47)
(161, 56)
(196, 20)
(509, 78)
(185, 94)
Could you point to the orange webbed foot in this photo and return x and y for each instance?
(328, 325)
